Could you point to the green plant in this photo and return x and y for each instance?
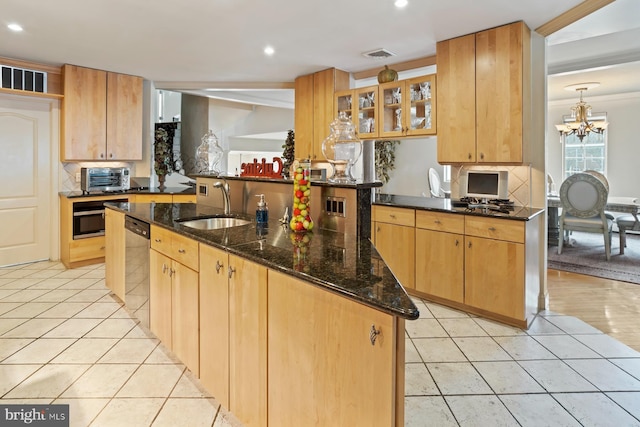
(288, 153)
(385, 158)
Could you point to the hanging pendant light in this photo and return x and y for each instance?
(578, 123)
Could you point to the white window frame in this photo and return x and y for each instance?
(573, 141)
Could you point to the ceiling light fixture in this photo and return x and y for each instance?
(401, 3)
(578, 122)
(269, 51)
(15, 27)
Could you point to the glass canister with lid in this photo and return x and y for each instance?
(342, 148)
(208, 154)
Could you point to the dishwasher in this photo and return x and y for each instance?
(136, 268)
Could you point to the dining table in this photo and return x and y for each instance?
(614, 204)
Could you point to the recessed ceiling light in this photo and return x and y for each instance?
(14, 27)
(269, 50)
(401, 3)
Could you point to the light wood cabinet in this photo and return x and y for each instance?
(214, 322)
(439, 262)
(315, 110)
(174, 294)
(495, 266)
(395, 241)
(366, 112)
(408, 107)
(183, 198)
(78, 252)
(323, 373)
(101, 115)
(114, 252)
(483, 93)
(248, 341)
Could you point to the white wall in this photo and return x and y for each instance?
(623, 152)
(414, 157)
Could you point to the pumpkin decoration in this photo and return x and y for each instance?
(387, 75)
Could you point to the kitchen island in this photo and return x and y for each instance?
(283, 329)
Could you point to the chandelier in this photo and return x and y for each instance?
(578, 122)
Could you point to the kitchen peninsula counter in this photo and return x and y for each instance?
(338, 262)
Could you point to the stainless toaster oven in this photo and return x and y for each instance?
(104, 179)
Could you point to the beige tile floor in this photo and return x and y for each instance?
(64, 339)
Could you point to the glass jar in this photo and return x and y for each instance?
(342, 148)
(301, 216)
(209, 154)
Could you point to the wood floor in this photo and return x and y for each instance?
(608, 305)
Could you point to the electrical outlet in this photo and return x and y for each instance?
(78, 179)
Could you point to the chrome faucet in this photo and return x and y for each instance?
(224, 187)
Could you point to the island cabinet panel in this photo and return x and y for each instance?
(323, 368)
(114, 252)
(174, 294)
(248, 341)
(214, 322)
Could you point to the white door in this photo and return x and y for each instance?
(25, 179)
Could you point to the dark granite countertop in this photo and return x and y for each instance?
(357, 184)
(447, 205)
(338, 262)
(152, 190)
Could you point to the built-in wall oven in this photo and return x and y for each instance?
(88, 218)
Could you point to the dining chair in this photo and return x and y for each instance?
(583, 197)
(626, 223)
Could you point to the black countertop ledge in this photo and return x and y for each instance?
(340, 263)
(520, 213)
(152, 190)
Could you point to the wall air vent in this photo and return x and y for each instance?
(379, 54)
(23, 79)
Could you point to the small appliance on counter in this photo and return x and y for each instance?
(104, 179)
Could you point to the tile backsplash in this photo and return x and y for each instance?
(519, 181)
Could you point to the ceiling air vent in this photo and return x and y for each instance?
(379, 54)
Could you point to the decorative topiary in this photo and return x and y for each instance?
(288, 154)
(163, 155)
(385, 157)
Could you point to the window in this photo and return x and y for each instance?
(588, 154)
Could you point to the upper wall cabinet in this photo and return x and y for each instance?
(101, 115)
(484, 96)
(315, 110)
(408, 107)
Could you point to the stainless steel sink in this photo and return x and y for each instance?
(214, 223)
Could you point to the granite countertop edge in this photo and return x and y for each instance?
(243, 242)
(517, 213)
(153, 190)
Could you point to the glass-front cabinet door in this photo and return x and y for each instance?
(366, 122)
(390, 109)
(420, 108)
(344, 103)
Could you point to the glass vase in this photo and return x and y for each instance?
(208, 154)
(342, 148)
(301, 216)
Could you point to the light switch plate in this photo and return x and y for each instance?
(78, 179)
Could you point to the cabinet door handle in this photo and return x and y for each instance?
(111, 155)
(231, 271)
(481, 155)
(102, 155)
(102, 248)
(457, 242)
(218, 266)
(373, 334)
(171, 272)
(469, 156)
(164, 268)
(182, 251)
(378, 229)
(469, 244)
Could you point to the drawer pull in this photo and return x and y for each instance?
(158, 240)
(492, 229)
(218, 266)
(392, 216)
(373, 334)
(102, 248)
(182, 251)
(231, 271)
(437, 221)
